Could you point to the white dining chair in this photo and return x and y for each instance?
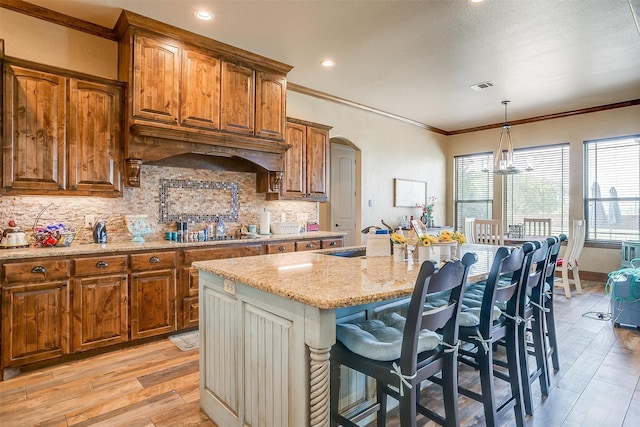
(569, 261)
(488, 232)
(537, 227)
(468, 230)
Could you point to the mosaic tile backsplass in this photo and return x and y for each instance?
(203, 203)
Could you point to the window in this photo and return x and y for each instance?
(611, 188)
(473, 188)
(542, 192)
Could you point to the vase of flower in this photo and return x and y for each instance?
(399, 251)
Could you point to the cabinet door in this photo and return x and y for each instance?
(237, 99)
(271, 92)
(200, 99)
(33, 147)
(100, 311)
(153, 305)
(317, 156)
(190, 304)
(35, 322)
(156, 74)
(294, 181)
(94, 137)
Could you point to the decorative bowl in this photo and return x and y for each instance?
(138, 225)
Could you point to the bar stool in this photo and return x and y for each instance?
(492, 324)
(400, 353)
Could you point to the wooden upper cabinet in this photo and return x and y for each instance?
(200, 99)
(94, 137)
(156, 79)
(306, 163)
(294, 181)
(237, 99)
(271, 96)
(317, 163)
(34, 132)
(62, 132)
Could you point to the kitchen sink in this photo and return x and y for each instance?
(350, 254)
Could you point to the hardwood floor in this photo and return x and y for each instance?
(156, 384)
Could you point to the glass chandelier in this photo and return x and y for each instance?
(504, 158)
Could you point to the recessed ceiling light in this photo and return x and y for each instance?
(328, 63)
(203, 14)
(475, 1)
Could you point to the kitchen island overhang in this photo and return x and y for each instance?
(267, 324)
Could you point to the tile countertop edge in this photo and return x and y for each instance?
(128, 246)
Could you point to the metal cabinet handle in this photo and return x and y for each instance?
(102, 264)
(333, 243)
(281, 248)
(154, 260)
(39, 269)
(309, 245)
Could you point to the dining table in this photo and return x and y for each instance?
(267, 324)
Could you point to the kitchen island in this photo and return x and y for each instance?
(267, 325)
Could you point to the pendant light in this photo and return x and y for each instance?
(504, 158)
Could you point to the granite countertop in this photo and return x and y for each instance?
(320, 280)
(97, 248)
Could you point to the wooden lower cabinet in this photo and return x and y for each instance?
(35, 311)
(100, 302)
(153, 294)
(35, 322)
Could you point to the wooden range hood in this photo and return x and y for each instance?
(196, 102)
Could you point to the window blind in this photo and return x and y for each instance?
(611, 188)
(542, 192)
(473, 188)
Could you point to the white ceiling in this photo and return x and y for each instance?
(417, 58)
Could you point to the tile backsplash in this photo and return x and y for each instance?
(199, 193)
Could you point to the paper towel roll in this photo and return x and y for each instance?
(265, 222)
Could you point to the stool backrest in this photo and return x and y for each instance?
(515, 263)
(450, 278)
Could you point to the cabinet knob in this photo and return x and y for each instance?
(333, 243)
(102, 264)
(309, 245)
(38, 269)
(154, 260)
(282, 248)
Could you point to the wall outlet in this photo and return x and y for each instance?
(89, 220)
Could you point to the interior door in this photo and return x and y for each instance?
(343, 191)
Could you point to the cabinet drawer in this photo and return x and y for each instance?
(100, 265)
(279, 248)
(308, 245)
(153, 261)
(36, 271)
(331, 243)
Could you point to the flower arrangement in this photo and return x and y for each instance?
(427, 208)
(398, 238)
(445, 236)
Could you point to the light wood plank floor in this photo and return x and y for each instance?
(156, 384)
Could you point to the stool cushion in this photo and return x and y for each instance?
(471, 304)
(381, 339)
